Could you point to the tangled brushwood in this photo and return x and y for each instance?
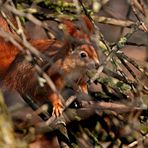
(73, 73)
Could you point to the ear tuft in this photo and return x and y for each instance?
(69, 27)
(87, 23)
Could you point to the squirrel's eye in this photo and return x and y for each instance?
(83, 54)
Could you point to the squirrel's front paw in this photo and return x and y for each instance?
(57, 109)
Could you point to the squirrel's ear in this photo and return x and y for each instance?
(88, 26)
(69, 27)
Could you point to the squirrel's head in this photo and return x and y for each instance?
(84, 58)
(83, 53)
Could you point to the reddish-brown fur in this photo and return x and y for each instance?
(68, 67)
(8, 52)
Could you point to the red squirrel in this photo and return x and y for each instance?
(69, 65)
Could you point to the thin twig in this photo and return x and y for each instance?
(121, 43)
